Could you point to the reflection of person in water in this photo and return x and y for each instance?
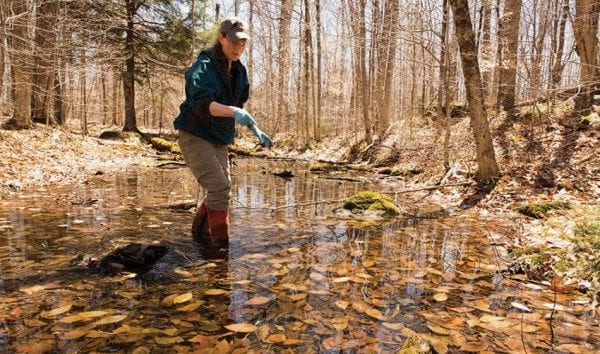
(216, 89)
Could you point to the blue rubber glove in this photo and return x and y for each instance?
(263, 139)
(242, 117)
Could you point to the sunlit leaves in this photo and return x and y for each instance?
(55, 312)
(241, 327)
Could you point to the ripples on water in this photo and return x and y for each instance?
(302, 278)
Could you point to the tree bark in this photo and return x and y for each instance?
(558, 42)
(283, 61)
(45, 63)
(129, 74)
(21, 63)
(586, 30)
(487, 171)
(509, 42)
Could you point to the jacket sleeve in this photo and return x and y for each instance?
(201, 90)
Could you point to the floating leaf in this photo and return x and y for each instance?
(294, 287)
(183, 272)
(393, 326)
(75, 334)
(520, 306)
(216, 292)
(342, 304)
(297, 297)
(55, 312)
(168, 301)
(291, 341)
(168, 340)
(190, 307)
(375, 314)
(258, 300)
(241, 327)
(341, 280)
(98, 334)
(438, 329)
(440, 297)
(110, 319)
(276, 338)
(82, 316)
(182, 298)
(203, 340)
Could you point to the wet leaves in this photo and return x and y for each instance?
(241, 327)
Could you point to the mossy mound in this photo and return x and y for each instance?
(405, 172)
(541, 210)
(321, 167)
(367, 200)
(161, 144)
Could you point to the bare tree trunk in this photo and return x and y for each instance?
(319, 82)
(2, 54)
(443, 103)
(44, 62)
(129, 74)
(488, 171)
(83, 91)
(558, 42)
(486, 44)
(391, 21)
(357, 10)
(539, 36)
(586, 31)
(21, 63)
(283, 61)
(509, 41)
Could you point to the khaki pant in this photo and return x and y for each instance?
(210, 165)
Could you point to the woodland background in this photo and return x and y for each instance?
(318, 67)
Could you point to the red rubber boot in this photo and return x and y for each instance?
(218, 221)
(200, 227)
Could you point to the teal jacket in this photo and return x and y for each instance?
(206, 81)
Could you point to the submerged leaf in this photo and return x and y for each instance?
(55, 312)
(216, 292)
(241, 327)
(258, 300)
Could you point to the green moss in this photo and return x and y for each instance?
(161, 144)
(320, 167)
(400, 172)
(367, 200)
(541, 210)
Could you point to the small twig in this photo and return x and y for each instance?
(551, 326)
(522, 334)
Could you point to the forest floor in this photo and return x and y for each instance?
(542, 162)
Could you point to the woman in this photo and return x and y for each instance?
(216, 89)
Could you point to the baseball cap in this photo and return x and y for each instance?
(234, 28)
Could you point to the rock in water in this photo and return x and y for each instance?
(135, 257)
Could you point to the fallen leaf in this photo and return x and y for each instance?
(276, 338)
(341, 280)
(55, 312)
(393, 326)
(291, 341)
(438, 329)
(190, 307)
(258, 300)
(520, 306)
(375, 314)
(216, 292)
(342, 304)
(241, 327)
(168, 340)
(182, 298)
(297, 297)
(440, 297)
(75, 334)
(318, 277)
(110, 319)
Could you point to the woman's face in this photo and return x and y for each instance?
(233, 51)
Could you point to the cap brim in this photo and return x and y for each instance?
(236, 36)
